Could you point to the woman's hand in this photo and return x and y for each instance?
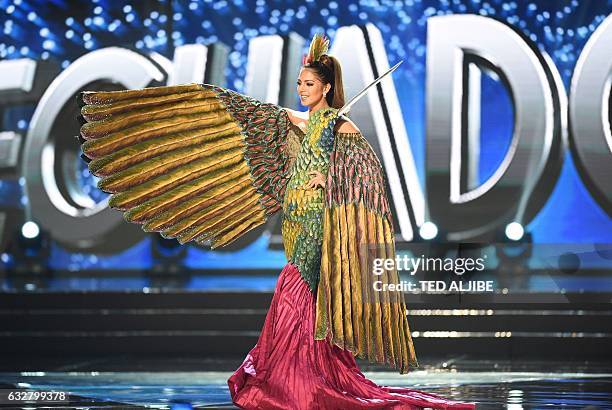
(318, 179)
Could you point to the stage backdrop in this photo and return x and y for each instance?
(51, 50)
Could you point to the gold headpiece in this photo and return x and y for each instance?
(318, 46)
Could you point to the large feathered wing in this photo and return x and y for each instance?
(193, 162)
(357, 229)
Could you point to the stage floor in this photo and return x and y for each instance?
(184, 383)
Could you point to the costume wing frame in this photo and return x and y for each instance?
(357, 229)
(193, 162)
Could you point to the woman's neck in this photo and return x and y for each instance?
(318, 106)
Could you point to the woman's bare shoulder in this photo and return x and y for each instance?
(346, 126)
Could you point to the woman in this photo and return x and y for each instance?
(202, 163)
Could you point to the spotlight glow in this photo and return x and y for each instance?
(30, 230)
(514, 231)
(428, 230)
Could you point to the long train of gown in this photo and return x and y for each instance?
(288, 369)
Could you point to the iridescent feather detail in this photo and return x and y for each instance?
(318, 46)
(333, 235)
(193, 162)
(303, 207)
(358, 228)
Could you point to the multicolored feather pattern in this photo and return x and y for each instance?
(318, 46)
(193, 162)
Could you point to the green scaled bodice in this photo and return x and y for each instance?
(302, 226)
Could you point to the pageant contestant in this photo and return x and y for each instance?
(199, 162)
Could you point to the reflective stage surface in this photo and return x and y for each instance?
(184, 383)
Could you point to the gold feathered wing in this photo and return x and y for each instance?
(193, 162)
(358, 228)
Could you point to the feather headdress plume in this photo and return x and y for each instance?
(318, 46)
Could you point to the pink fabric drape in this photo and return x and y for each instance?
(288, 369)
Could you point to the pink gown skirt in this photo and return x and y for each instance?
(288, 369)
